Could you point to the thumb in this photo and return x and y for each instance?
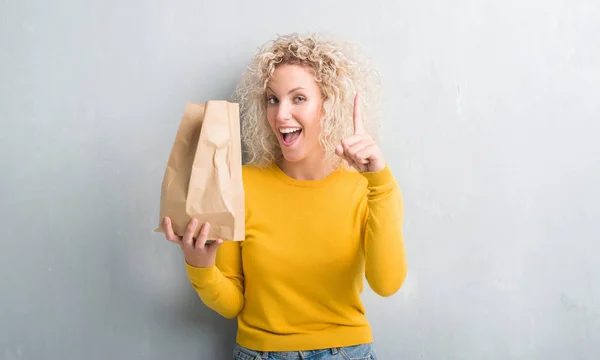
(215, 245)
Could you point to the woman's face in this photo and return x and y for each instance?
(294, 111)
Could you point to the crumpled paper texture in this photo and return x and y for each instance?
(203, 178)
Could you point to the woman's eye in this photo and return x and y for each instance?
(300, 98)
(272, 100)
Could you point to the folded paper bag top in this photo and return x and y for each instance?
(203, 178)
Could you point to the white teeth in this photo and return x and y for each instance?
(289, 130)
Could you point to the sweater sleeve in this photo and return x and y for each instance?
(385, 255)
(221, 286)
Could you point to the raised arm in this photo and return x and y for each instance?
(385, 254)
(383, 241)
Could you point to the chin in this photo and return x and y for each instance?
(293, 157)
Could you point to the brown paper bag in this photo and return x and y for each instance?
(203, 178)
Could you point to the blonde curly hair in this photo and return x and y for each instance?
(339, 69)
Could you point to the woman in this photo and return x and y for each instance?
(322, 209)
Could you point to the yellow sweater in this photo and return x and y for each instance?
(295, 282)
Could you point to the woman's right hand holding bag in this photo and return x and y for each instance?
(200, 252)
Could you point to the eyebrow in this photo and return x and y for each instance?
(291, 91)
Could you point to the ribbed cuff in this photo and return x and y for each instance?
(379, 178)
(202, 277)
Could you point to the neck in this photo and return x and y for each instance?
(309, 168)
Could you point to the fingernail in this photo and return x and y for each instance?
(220, 241)
(194, 221)
(205, 228)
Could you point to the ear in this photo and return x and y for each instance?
(323, 117)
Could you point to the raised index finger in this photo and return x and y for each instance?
(357, 116)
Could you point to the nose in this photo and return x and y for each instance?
(283, 111)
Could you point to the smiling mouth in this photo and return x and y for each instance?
(289, 135)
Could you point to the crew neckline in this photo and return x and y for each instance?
(306, 183)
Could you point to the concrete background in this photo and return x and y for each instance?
(492, 120)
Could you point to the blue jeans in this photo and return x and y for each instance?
(357, 352)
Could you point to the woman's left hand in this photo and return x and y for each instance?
(360, 150)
